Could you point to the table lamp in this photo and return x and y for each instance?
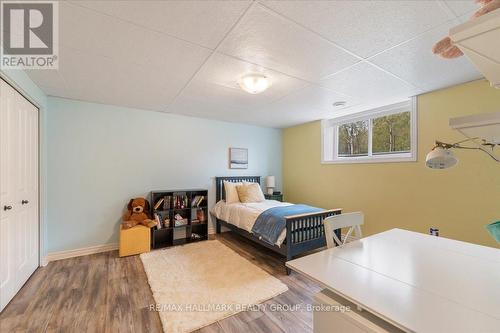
(270, 184)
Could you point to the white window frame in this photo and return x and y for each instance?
(329, 135)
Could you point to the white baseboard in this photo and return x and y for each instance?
(44, 261)
(53, 256)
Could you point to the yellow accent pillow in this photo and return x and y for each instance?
(231, 193)
(250, 192)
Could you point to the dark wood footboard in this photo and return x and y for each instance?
(305, 232)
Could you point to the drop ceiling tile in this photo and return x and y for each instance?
(267, 116)
(146, 89)
(88, 77)
(96, 36)
(220, 96)
(209, 100)
(212, 96)
(364, 27)
(226, 71)
(415, 63)
(127, 43)
(214, 92)
(368, 84)
(213, 102)
(366, 106)
(201, 22)
(314, 98)
(174, 59)
(462, 7)
(267, 39)
(283, 114)
(104, 80)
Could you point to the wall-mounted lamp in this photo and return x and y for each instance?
(442, 157)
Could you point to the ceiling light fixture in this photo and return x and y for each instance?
(254, 83)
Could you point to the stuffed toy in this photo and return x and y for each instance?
(445, 48)
(138, 213)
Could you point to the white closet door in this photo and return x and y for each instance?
(18, 191)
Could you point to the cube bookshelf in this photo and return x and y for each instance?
(183, 214)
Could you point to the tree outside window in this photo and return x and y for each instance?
(353, 139)
(391, 134)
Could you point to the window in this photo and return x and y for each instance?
(386, 134)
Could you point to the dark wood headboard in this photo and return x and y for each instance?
(220, 194)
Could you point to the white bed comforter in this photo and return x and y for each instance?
(243, 215)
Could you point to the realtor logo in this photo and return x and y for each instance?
(29, 35)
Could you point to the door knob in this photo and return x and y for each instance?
(24, 202)
(7, 207)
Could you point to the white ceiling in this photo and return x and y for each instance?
(186, 57)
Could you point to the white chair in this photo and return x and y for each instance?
(353, 221)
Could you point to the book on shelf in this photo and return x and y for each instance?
(158, 221)
(158, 204)
(167, 202)
(180, 201)
(197, 200)
(193, 201)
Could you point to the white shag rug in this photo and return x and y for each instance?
(198, 284)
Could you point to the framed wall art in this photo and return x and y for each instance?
(238, 158)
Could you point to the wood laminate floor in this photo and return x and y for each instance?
(105, 293)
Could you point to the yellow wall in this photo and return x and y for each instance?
(459, 201)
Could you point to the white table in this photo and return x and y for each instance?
(417, 282)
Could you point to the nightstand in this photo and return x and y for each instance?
(278, 197)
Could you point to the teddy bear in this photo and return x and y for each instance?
(137, 213)
(445, 48)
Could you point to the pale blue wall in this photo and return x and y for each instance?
(23, 83)
(99, 156)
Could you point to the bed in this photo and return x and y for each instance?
(303, 232)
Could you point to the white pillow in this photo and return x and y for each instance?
(231, 193)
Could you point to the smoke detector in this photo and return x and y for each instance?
(339, 104)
